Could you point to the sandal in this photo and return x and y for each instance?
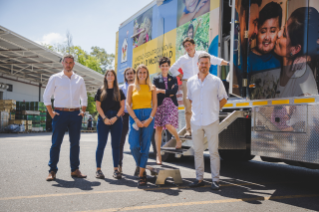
(178, 145)
(142, 181)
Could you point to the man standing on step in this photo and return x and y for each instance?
(207, 95)
(68, 90)
(188, 63)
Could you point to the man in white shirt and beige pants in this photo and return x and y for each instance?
(69, 94)
(188, 63)
(207, 95)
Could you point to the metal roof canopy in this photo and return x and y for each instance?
(26, 61)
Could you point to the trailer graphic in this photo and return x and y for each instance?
(272, 80)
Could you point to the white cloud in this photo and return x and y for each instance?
(52, 38)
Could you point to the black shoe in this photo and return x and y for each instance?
(99, 174)
(197, 184)
(117, 174)
(137, 171)
(215, 185)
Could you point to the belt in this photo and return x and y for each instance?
(184, 80)
(67, 109)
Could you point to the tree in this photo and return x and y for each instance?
(105, 58)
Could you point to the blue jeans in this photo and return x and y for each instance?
(140, 140)
(102, 135)
(60, 123)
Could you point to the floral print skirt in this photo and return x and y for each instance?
(167, 113)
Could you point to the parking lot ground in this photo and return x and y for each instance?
(245, 186)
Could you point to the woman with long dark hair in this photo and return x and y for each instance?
(297, 45)
(110, 106)
(141, 104)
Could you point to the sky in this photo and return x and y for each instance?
(91, 23)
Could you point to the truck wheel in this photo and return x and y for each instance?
(166, 136)
(236, 155)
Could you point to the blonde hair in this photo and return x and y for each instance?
(148, 80)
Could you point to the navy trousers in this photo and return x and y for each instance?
(102, 135)
(60, 124)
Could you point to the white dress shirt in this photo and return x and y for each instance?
(205, 97)
(189, 64)
(67, 92)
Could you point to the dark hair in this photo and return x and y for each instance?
(116, 90)
(164, 60)
(271, 10)
(191, 40)
(255, 2)
(303, 31)
(126, 70)
(190, 26)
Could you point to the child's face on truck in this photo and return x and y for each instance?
(191, 5)
(267, 35)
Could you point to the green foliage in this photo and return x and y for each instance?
(201, 34)
(91, 105)
(105, 58)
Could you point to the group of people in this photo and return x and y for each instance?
(137, 108)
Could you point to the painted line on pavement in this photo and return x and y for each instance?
(203, 203)
(132, 190)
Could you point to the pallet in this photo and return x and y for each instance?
(163, 171)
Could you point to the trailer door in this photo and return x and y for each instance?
(238, 47)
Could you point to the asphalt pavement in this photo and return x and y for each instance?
(245, 186)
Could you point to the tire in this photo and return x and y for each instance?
(236, 155)
(166, 136)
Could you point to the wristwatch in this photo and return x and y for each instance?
(117, 117)
(104, 118)
(151, 117)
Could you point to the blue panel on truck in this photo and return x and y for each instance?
(167, 12)
(124, 50)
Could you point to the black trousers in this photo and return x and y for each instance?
(123, 137)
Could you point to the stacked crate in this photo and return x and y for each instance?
(41, 119)
(8, 105)
(4, 120)
(7, 112)
(34, 113)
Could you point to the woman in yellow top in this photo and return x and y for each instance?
(141, 104)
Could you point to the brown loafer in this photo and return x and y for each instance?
(77, 174)
(52, 176)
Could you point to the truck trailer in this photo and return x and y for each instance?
(272, 81)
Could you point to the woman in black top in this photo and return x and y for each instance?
(166, 116)
(110, 105)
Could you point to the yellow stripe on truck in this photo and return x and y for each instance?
(260, 103)
(304, 100)
(229, 105)
(242, 104)
(280, 102)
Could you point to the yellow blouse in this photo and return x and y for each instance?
(142, 99)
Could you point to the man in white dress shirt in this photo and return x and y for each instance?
(207, 95)
(188, 63)
(68, 90)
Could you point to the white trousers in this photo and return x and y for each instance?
(211, 132)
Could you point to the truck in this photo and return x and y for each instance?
(272, 80)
